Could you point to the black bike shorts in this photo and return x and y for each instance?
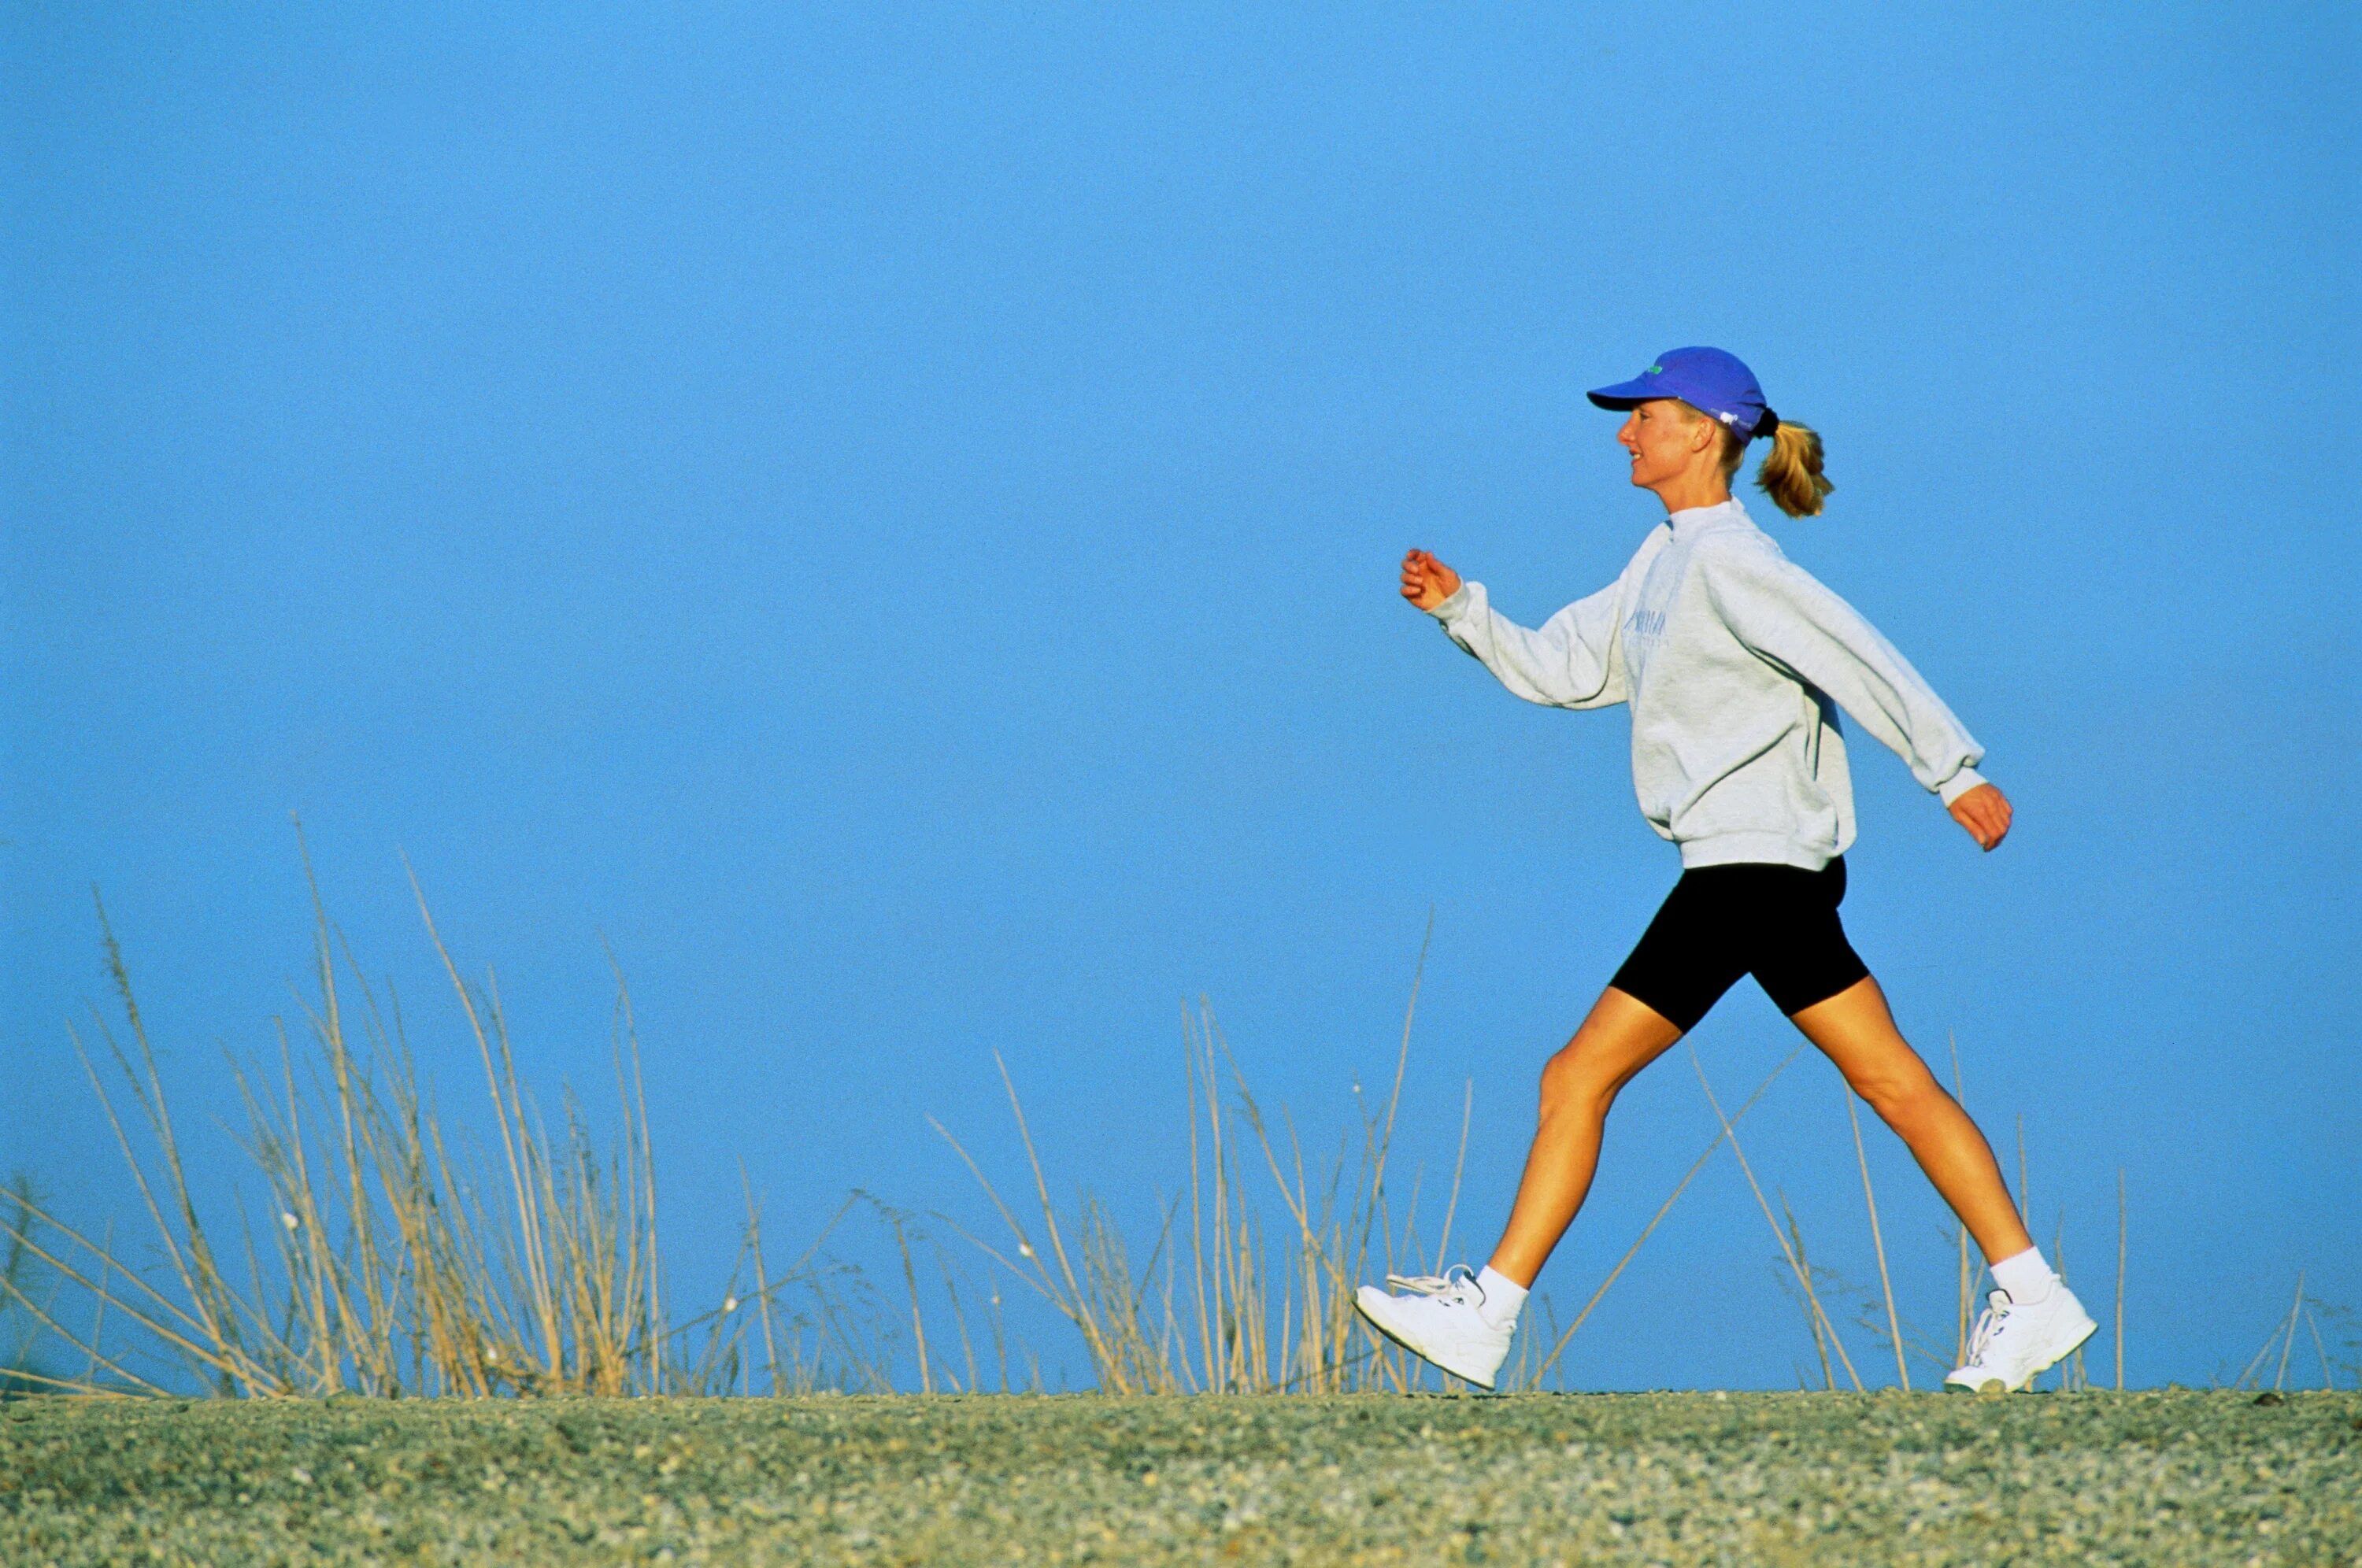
(1778, 923)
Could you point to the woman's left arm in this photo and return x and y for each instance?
(1786, 615)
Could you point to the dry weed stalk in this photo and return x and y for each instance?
(2120, 1276)
(1791, 1240)
(1878, 1241)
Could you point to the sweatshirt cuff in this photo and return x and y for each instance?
(1453, 608)
(1960, 784)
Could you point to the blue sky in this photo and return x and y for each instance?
(891, 519)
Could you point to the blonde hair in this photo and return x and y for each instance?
(1791, 474)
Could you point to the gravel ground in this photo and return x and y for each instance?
(2173, 1478)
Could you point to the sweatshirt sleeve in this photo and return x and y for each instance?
(1782, 613)
(1573, 661)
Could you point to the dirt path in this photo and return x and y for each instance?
(2182, 1478)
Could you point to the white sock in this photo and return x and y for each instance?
(1503, 1296)
(2026, 1276)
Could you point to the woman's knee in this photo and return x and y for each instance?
(1573, 1082)
(1904, 1097)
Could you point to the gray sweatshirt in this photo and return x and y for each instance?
(1735, 661)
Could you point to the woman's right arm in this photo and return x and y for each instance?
(1572, 661)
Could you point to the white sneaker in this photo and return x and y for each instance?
(1441, 1321)
(2015, 1340)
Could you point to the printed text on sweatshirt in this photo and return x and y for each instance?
(1734, 660)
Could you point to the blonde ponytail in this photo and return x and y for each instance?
(1791, 475)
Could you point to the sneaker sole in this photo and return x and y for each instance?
(1990, 1383)
(1388, 1333)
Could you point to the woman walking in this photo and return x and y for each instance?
(1734, 662)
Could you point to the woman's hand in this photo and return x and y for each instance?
(1983, 811)
(1428, 582)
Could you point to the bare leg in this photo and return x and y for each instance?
(1857, 1031)
(1622, 1036)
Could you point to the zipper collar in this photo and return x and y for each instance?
(1690, 522)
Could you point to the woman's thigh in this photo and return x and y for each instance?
(1855, 1030)
(1620, 1035)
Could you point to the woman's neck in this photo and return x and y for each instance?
(1691, 491)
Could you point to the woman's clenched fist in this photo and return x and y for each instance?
(1426, 581)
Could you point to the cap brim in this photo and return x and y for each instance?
(1627, 395)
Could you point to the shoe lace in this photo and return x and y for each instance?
(1990, 1322)
(1456, 1278)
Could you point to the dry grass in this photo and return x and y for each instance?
(390, 1263)
(1232, 1298)
(387, 1263)
(1248, 1282)
(2304, 1312)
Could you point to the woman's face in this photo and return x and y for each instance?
(1664, 441)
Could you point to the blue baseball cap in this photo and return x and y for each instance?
(1714, 384)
